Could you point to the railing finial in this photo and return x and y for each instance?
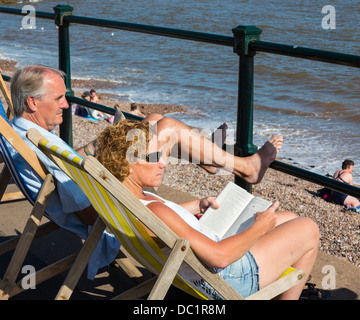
(62, 10)
(242, 36)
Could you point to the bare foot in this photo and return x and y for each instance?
(256, 165)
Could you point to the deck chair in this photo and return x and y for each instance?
(127, 217)
(33, 229)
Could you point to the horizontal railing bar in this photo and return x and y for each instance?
(39, 14)
(316, 178)
(306, 53)
(135, 27)
(6, 78)
(100, 107)
(155, 30)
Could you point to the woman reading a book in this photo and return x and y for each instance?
(249, 260)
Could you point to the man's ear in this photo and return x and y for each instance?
(31, 103)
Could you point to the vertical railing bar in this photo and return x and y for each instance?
(244, 128)
(64, 64)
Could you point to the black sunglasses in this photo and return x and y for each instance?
(153, 157)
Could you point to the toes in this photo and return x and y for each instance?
(277, 142)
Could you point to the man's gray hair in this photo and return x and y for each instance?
(29, 82)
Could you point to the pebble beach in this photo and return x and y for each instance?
(340, 227)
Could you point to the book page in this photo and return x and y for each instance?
(232, 200)
(247, 217)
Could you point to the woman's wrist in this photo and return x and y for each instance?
(91, 148)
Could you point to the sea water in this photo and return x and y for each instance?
(314, 105)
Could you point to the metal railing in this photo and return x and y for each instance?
(245, 42)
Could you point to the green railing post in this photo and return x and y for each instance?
(244, 131)
(64, 65)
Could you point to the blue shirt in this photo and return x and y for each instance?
(68, 199)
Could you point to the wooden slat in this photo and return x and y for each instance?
(170, 270)
(20, 145)
(279, 286)
(48, 272)
(11, 196)
(5, 91)
(138, 292)
(81, 261)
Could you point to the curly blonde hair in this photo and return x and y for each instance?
(120, 146)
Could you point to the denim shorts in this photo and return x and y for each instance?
(243, 275)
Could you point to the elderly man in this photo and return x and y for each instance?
(38, 96)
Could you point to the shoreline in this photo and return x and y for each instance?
(339, 227)
(80, 85)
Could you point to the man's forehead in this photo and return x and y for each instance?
(53, 81)
(52, 76)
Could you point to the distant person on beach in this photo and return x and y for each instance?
(344, 175)
(249, 260)
(134, 109)
(95, 114)
(94, 98)
(38, 96)
(86, 111)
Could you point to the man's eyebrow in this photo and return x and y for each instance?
(59, 97)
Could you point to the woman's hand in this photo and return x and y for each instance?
(206, 203)
(266, 220)
(199, 206)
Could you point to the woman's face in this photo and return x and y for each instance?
(149, 172)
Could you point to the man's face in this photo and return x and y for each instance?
(49, 108)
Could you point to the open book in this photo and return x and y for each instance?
(236, 213)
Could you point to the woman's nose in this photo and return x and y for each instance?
(162, 162)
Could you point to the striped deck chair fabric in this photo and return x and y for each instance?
(122, 212)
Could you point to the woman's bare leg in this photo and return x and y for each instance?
(191, 145)
(291, 244)
(284, 216)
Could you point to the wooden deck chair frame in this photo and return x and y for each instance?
(33, 229)
(6, 94)
(126, 217)
(5, 174)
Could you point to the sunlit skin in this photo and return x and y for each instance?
(147, 174)
(47, 111)
(265, 238)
